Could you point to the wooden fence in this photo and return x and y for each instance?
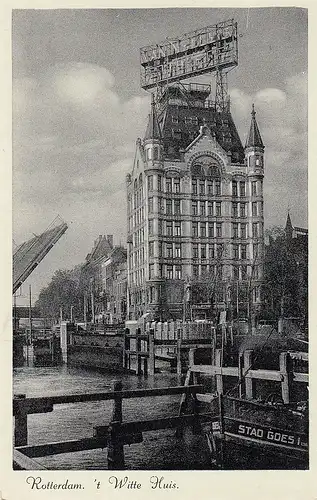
(112, 436)
(167, 341)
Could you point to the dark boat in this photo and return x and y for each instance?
(259, 435)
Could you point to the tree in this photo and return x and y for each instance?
(63, 291)
(285, 275)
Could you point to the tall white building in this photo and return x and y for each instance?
(195, 211)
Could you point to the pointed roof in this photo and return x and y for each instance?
(289, 227)
(254, 137)
(153, 130)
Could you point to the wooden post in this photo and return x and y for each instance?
(20, 424)
(145, 366)
(138, 367)
(222, 430)
(241, 378)
(151, 353)
(285, 371)
(126, 347)
(219, 380)
(249, 383)
(115, 442)
(178, 353)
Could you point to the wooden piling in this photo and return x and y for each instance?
(178, 353)
(219, 379)
(249, 382)
(151, 353)
(285, 371)
(138, 367)
(115, 443)
(20, 424)
(126, 348)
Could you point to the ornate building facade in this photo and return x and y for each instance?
(195, 211)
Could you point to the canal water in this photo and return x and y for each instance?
(159, 449)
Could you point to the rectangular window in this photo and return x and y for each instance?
(161, 271)
(177, 207)
(195, 229)
(194, 208)
(169, 250)
(160, 227)
(194, 187)
(169, 272)
(243, 252)
(219, 274)
(150, 205)
(176, 185)
(211, 230)
(218, 188)
(254, 209)
(169, 228)
(242, 210)
(235, 251)
(168, 185)
(202, 187)
(203, 229)
(243, 228)
(195, 251)
(234, 188)
(160, 249)
(255, 230)
(210, 188)
(236, 272)
(210, 208)
(195, 271)
(234, 209)
(159, 183)
(242, 188)
(169, 207)
(150, 228)
(219, 249)
(150, 182)
(244, 272)
(211, 251)
(219, 230)
(202, 208)
(235, 233)
(218, 208)
(178, 251)
(178, 272)
(203, 251)
(253, 188)
(151, 271)
(151, 248)
(177, 228)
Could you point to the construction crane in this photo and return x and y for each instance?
(29, 254)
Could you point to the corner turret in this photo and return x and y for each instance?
(153, 144)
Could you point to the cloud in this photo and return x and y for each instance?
(74, 139)
(282, 119)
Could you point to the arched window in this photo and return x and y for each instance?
(213, 171)
(140, 180)
(197, 170)
(135, 184)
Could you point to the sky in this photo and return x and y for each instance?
(78, 109)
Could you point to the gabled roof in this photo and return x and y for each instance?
(153, 130)
(254, 137)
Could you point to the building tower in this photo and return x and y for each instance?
(195, 197)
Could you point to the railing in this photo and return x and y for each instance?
(113, 436)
